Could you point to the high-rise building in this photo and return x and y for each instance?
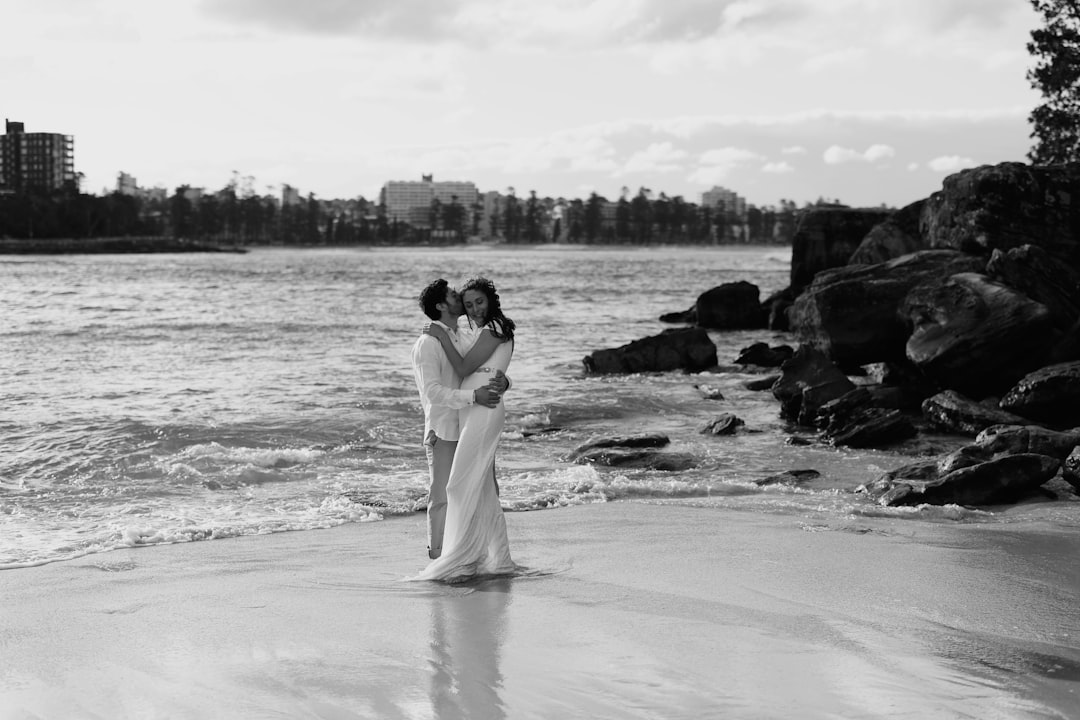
(290, 196)
(720, 197)
(126, 184)
(410, 201)
(35, 160)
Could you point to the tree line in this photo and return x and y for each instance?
(239, 216)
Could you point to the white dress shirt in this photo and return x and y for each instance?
(439, 385)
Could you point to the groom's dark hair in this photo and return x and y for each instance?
(431, 296)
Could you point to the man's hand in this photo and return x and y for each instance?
(436, 331)
(485, 396)
(500, 383)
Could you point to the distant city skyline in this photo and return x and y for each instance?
(865, 101)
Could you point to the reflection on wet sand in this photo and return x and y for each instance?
(467, 632)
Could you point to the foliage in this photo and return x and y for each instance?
(236, 216)
(1056, 49)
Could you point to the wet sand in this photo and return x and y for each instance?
(628, 611)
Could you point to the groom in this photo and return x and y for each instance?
(441, 397)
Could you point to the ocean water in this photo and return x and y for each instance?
(171, 398)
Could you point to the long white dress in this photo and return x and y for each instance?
(475, 542)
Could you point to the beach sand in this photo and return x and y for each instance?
(628, 611)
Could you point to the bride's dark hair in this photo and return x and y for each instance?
(501, 326)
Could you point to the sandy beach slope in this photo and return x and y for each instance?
(628, 611)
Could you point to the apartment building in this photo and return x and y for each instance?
(43, 161)
(727, 199)
(410, 201)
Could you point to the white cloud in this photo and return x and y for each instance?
(777, 168)
(794, 150)
(950, 163)
(878, 152)
(912, 167)
(660, 157)
(837, 155)
(717, 163)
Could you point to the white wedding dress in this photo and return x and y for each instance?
(474, 541)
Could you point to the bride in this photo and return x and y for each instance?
(475, 541)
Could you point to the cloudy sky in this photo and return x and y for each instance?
(866, 101)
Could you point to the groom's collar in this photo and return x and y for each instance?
(448, 328)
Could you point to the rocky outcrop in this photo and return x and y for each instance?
(851, 313)
(826, 237)
(952, 412)
(975, 336)
(1000, 480)
(688, 349)
(894, 237)
(807, 381)
(730, 306)
(952, 302)
(1050, 394)
(1005, 206)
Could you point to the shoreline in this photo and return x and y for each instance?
(150, 245)
(627, 610)
(111, 245)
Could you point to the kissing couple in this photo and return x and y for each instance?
(461, 376)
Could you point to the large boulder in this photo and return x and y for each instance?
(1032, 271)
(1005, 206)
(1017, 439)
(761, 354)
(644, 440)
(976, 336)
(851, 313)
(826, 237)
(1003, 479)
(807, 381)
(640, 459)
(730, 306)
(952, 412)
(687, 349)
(1050, 394)
(775, 307)
(871, 427)
(893, 237)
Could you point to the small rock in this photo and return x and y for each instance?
(725, 424)
(709, 392)
(788, 477)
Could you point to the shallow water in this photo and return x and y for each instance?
(168, 398)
